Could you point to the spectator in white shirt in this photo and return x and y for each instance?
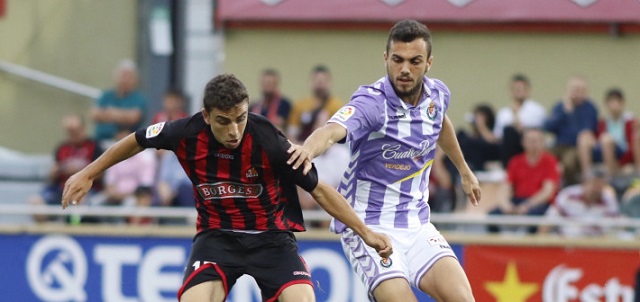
(522, 113)
(590, 200)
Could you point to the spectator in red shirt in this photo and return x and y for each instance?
(533, 179)
(73, 154)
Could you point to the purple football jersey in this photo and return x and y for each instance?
(392, 149)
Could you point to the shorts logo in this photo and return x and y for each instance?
(437, 240)
(154, 130)
(432, 111)
(228, 189)
(386, 262)
(301, 273)
(344, 113)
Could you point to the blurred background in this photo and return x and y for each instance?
(550, 79)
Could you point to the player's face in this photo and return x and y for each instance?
(406, 63)
(228, 126)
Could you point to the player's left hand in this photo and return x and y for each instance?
(471, 188)
(299, 155)
(380, 242)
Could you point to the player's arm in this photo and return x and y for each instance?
(449, 144)
(317, 143)
(335, 204)
(79, 184)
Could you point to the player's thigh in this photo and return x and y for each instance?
(446, 281)
(297, 293)
(396, 289)
(203, 267)
(279, 270)
(209, 291)
(368, 265)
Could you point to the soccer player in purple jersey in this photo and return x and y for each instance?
(245, 197)
(393, 127)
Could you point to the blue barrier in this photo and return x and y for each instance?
(127, 269)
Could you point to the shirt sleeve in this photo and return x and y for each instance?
(307, 182)
(551, 169)
(279, 154)
(360, 117)
(163, 135)
(556, 120)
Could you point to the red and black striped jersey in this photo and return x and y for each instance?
(248, 188)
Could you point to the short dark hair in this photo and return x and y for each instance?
(409, 30)
(270, 72)
(614, 93)
(320, 69)
(519, 77)
(224, 92)
(177, 93)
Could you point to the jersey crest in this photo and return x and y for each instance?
(432, 111)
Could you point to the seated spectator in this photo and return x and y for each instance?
(533, 179)
(630, 205)
(174, 187)
(591, 199)
(71, 156)
(172, 107)
(272, 104)
(143, 198)
(123, 180)
(310, 113)
(572, 119)
(123, 106)
(479, 145)
(613, 143)
(522, 113)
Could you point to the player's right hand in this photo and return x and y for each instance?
(75, 189)
(380, 242)
(298, 156)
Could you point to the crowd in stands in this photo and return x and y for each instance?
(567, 161)
(571, 162)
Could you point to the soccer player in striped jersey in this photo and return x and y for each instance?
(246, 197)
(393, 127)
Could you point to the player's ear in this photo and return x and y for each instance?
(385, 55)
(205, 115)
(429, 62)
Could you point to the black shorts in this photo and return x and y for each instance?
(271, 258)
